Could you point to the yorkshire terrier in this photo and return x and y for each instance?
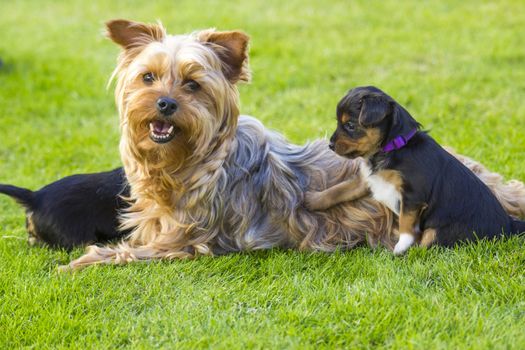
(437, 199)
(76, 210)
(205, 180)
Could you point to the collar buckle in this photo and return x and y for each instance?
(399, 142)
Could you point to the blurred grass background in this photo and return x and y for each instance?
(458, 67)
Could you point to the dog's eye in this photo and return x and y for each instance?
(192, 85)
(148, 78)
(350, 126)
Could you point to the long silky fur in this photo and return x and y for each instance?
(233, 185)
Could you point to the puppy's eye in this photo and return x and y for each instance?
(192, 85)
(350, 126)
(148, 78)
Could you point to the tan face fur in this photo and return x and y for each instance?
(359, 142)
(198, 71)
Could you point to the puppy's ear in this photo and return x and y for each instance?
(232, 49)
(130, 34)
(373, 110)
(402, 122)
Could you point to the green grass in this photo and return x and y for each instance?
(458, 66)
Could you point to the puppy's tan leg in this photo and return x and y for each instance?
(32, 236)
(428, 237)
(407, 236)
(345, 191)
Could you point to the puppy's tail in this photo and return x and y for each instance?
(23, 196)
(518, 227)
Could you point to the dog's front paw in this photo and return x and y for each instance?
(315, 201)
(406, 240)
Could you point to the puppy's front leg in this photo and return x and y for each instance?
(407, 221)
(349, 190)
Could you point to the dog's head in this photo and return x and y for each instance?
(367, 119)
(176, 94)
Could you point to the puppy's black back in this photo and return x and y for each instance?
(459, 205)
(77, 209)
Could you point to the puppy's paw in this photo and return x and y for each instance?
(315, 201)
(406, 240)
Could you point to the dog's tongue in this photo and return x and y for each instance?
(161, 127)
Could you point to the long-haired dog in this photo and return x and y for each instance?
(76, 210)
(207, 181)
(437, 199)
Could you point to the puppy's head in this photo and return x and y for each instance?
(176, 94)
(367, 119)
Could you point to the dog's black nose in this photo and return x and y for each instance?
(331, 145)
(167, 106)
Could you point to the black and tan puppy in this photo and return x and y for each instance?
(75, 210)
(438, 200)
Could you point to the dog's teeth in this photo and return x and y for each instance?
(151, 128)
(170, 130)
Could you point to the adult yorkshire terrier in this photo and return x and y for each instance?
(205, 180)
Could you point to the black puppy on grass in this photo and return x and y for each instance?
(76, 210)
(438, 200)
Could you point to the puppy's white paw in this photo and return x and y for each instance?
(406, 240)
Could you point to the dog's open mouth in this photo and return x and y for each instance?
(161, 131)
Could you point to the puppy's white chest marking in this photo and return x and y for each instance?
(382, 190)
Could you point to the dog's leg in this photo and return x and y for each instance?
(407, 220)
(124, 253)
(428, 237)
(346, 191)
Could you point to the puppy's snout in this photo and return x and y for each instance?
(166, 106)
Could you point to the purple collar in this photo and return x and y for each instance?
(399, 142)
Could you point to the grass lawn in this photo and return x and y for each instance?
(458, 66)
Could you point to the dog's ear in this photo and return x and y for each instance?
(402, 122)
(374, 109)
(130, 34)
(232, 49)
